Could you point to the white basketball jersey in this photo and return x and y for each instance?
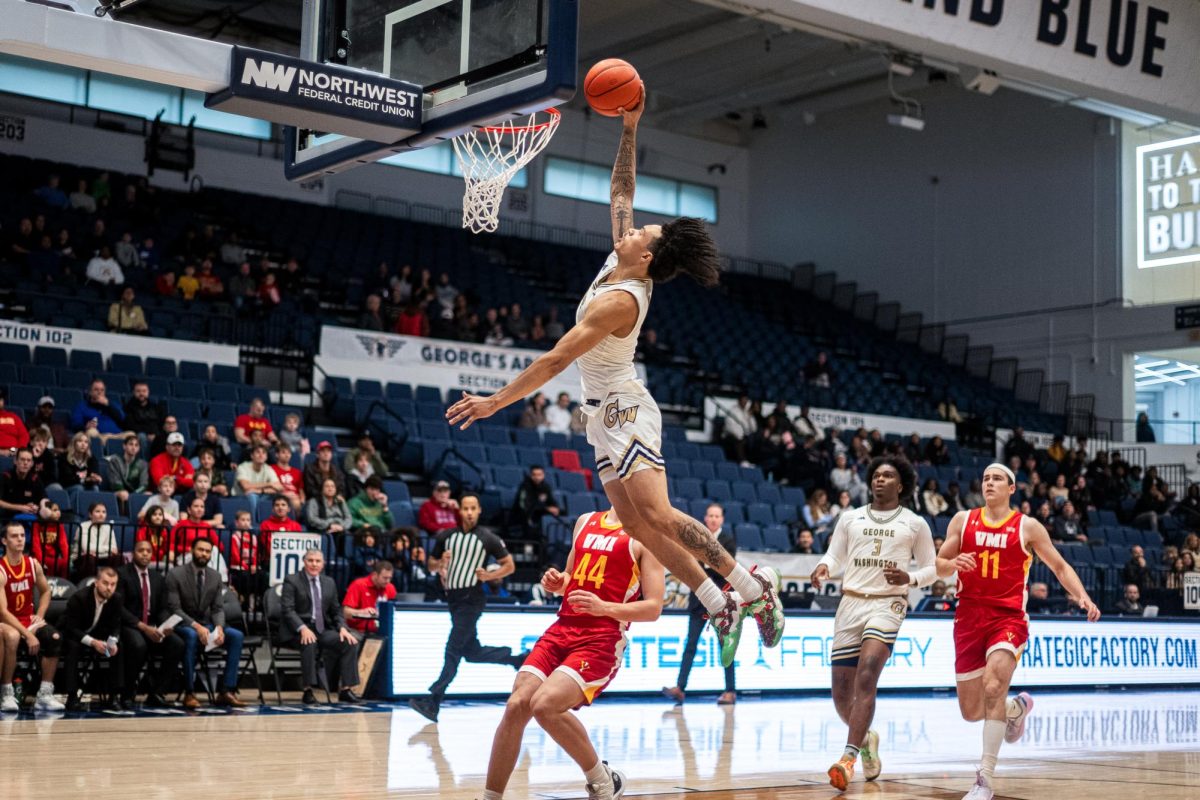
(610, 363)
(866, 541)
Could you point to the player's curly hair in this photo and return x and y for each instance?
(685, 247)
(908, 475)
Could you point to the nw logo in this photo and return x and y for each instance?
(268, 75)
(997, 540)
(598, 541)
(615, 416)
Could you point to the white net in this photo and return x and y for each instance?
(490, 157)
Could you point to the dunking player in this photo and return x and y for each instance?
(624, 424)
(610, 580)
(992, 548)
(872, 544)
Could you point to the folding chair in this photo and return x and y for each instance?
(286, 660)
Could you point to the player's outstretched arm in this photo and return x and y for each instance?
(611, 311)
(950, 558)
(1039, 541)
(624, 174)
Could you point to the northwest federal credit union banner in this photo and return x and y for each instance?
(1137, 54)
(1061, 652)
(416, 360)
(1168, 202)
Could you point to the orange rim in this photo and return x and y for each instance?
(554, 115)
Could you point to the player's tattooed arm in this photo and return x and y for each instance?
(702, 544)
(624, 178)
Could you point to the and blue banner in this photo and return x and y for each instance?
(1061, 652)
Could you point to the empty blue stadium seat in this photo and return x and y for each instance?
(527, 437)
(531, 456)
(581, 503)
(689, 451)
(1108, 518)
(769, 493)
(695, 508)
(17, 354)
(25, 396)
(571, 482)
(703, 470)
(728, 471)
(399, 391)
(433, 430)
(508, 476)
(744, 491)
(222, 393)
(786, 513)
(503, 455)
(248, 393)
(431, 411)
(719, 490)
(760, 514)
(556, 441)
(190, 389)
(37, 375)
(751, 474)
(88, 360)
(193, 371)
(775, 539)
(429, 394)
(735, 512)
(185, 409)
(689, 488)
(65, 399)
(226, 373)
(50, 356)
(368, 388)
(749, 536)
(396, 491)
(160, 368)
(125, 364)
(221, 413)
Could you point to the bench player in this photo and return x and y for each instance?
(624, 423)
(610, 580)
(870, 544)
(992, 548)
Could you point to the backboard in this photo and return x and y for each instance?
(477, 62)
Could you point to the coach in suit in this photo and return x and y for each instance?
(91, 618)
(145, 593)
(312, 618)
(194, 593)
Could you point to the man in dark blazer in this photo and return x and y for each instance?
(145, 593)
(194, 593)
(306, 629)
(92, 620)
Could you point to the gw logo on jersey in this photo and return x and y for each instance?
(615, 416)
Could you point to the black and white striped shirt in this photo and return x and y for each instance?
(468, 552)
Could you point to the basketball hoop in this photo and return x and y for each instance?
(491, 156)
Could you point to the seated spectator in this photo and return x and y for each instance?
(366, 550)
(290, 479)
(1059, 493)
(164, 284)
(127, 472)
(357, 477)
(558, 416)
(202, 490)
(170, 424)
(42, 419)
(173, 463)
(843, 504)
(493, 330)
(255, 479)
(92, 620)
(313, 620)
(554, 326)
(144, 416)
(144, 592)
(165, 499)
(938, 589)
(370, 507)
(211, 287)
(78, 469)
(280, 521)
(936, 452)
(294, 437)
(127, 252)
(932, 501)
(80, 200)
(493, 589)
(321, 469)
(191, 526)
(244, 574)
(955, 499)
(47, 262)
(818, 373)
(1068, 526)
(805, 542)
(269, 294)
(844, 479)
(194, 593)
(1136, 571)
(365, 445)
(231, 250)
(216, 477)
(104, 269)
(156, 531)
(1131, 604)
(97, 417)
(148, 255)
(255, 420)
(1191, 544)
(803, 425)
(361, 604)
(974, 498)
(211, 439)
(1188, 509)
(534, 415)
(445, 292)
(127, 316)
(740, 426)
(408, 557)
(13, 434)
(412, 320)
(1039, 599)
(243, 288)
(817, 513)
(49, 540)
(650, 347)
(372, 318)
(51, 195)
(914, 451)
(517, 326)
(327, 512)
(95, 543)
(21, 491)
(535, 499)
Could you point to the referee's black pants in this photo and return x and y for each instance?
(463, 643)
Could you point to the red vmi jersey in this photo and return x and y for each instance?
(18, 588)
(1002, 561)
(604, 565)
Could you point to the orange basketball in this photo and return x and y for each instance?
(612, 84)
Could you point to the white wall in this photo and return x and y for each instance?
(227, 163)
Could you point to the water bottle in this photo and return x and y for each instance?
(110, 646)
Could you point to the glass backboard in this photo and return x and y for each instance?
(477, 61)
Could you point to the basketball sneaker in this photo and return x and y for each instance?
(9, 704)
(980, 791)
(1016, 725)
(613, 790)
(767, 610)
(841, 773)
(869, 753)
(47, 702)
(727, 624)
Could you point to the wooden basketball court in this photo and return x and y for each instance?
(1077, 747)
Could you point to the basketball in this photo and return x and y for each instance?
(610, 85)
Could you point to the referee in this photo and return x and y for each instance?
(459, 555)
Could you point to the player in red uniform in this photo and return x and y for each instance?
(610, 580)
(991, 548)
(22, 620)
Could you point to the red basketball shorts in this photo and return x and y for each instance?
(588, 654)
(981, 629)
